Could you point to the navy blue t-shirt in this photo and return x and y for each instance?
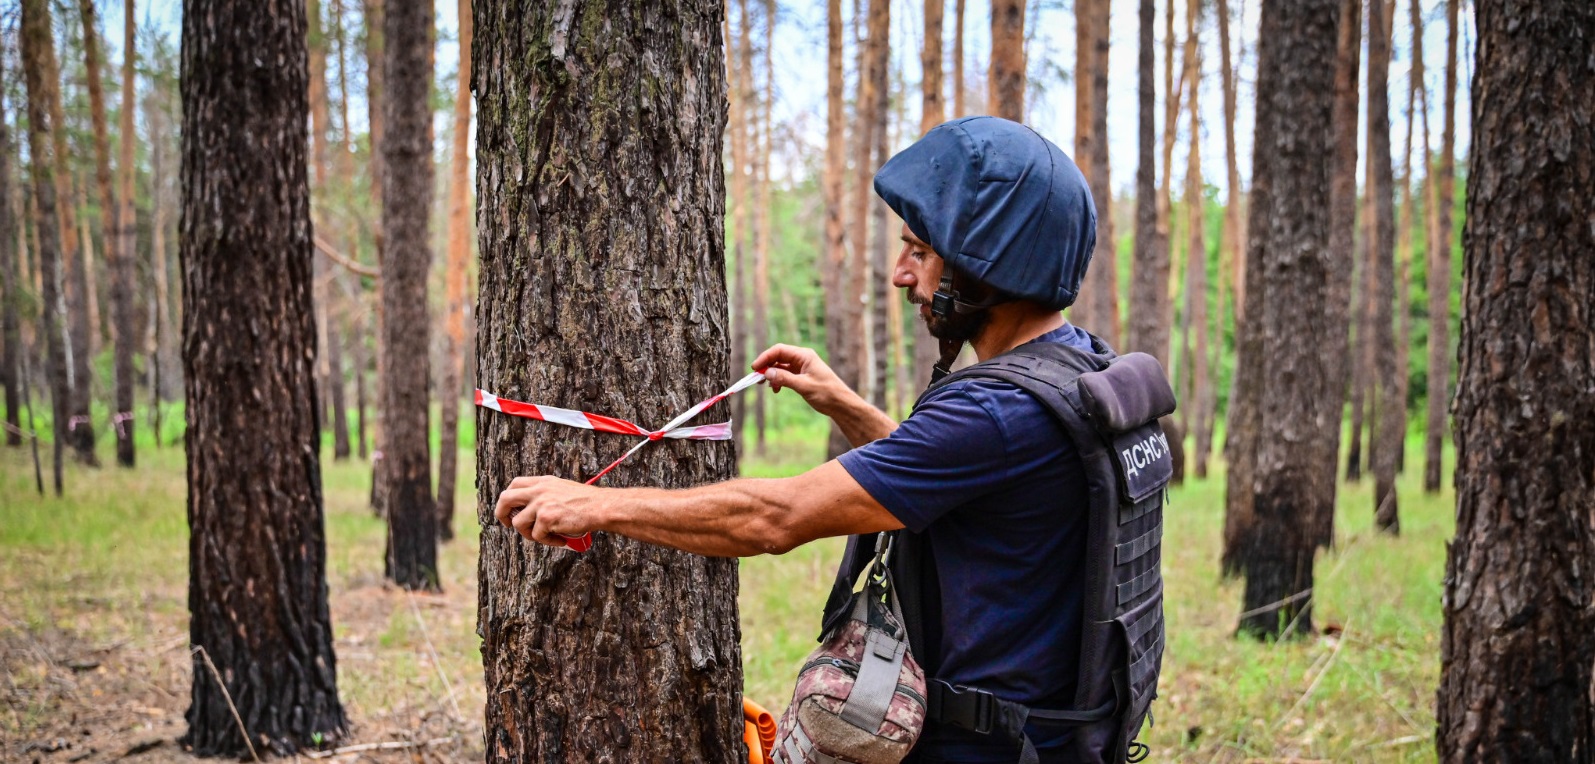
(993, 481)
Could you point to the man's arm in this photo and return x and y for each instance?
(737, 518)
(801, 369)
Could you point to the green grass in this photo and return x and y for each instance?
(109, 562)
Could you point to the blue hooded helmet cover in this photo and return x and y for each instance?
(999, 203)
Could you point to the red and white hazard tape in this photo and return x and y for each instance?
(600, 423)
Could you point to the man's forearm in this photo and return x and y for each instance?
(859, 422)
(737, 518)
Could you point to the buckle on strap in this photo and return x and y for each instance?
(968, 707)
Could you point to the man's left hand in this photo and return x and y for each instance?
(546, 509)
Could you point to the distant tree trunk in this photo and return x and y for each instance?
(126, 249)
(1293, 491)
(739, 91)
(877, 278)
(1518, 646)
(1232, 242)
(659, 676)
(257, 552)
(960, 88)
(1196, 251)
(160, 310)
(1441, 197)
(10, 292)
(1007, 79)
(1149, 291)
(854, 370)
(1165, 204)
(932, 112)
(407, 204)
(38, 67)
(80, 326)
(1404, 238)
(459, 266)
(765, 212)
(376, 100)
(91, 270)
(1389, 420)
(1362, 351)
(1098, 307)
(361, 399)
(1343, 229)
(838, 285)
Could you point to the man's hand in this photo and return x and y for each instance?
(786, 366)
(546, 509)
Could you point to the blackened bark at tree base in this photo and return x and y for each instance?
(628, 652)
(1278, 596)
(256, 544)
(1518, 646)
(406, 470)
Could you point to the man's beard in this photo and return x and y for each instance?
(959, 327)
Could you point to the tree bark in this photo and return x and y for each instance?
(1232, 242)
(406, 208)
(1007, 79)
(1343, 228)
(1518, 646)
(1389, 418)
(1293, 492)
(1149, 291)
(1404, 238)
(739, 92)
(126, 249)
(1098, 308)
(38, 67)
(80, 329)
(628, 652)
(1165, 204)
(877, 276)
(1196, 251)
(838, 286)
(765, 213)
(1442, 196)
(257, 557)
(960, 87)
(932, 112)
(376, 99)
(459, 266)
(10, 292)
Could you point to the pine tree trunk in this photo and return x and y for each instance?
(406, 208)
(376, 99)
(10, 294)
(854, 370)
(1165, 204)
(1404, 244)
(838, 286)
(1006, 83)
(257, 557)
(1343, 230)
(1294, 498)
(126, 249)
(628, 652)
(1518, 645)
(1442, 196)
(932, 112)
(765, 212)
(877, 277)
(960, 87)
(1234, 222)
(1099, 297)
(739, 92)
(459, 266)
(38, 66)
(1149, 292)
(80, 327)
(1389, 419)
(1362, 350)
(1196, 251)
(335, 376)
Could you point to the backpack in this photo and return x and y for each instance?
(1109, 406)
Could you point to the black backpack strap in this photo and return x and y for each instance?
(860, 551)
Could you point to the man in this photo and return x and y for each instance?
(998, 224)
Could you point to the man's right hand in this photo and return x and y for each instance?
(802, 370)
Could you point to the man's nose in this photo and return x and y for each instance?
(902, 272)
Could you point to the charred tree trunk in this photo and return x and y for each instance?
(1440, 200)
(1518, 646)
(459, 265)
(643, 665)
(1343, 230)
(1294, 495)
(256, 546)
(1389, 419)
(38, 67)
(406, 207)
(1149, 286)
(1006, 82)
(126, 249)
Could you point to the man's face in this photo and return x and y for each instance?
(918, 272)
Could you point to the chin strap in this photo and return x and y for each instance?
(949, 354)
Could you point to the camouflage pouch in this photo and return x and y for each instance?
(860, 696)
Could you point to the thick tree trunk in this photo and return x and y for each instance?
(1149, 291)
(1518, 646)
(1006, 81)
(1293, 493)
(876, 275)
(406, 207)
(1389, 419)
(38, 67)
(1343, 228)
(450, 393)
(838, 286)
(257, 559)
(126, 249)
(628, 652)
(1441, 197)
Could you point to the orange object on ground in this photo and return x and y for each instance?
(758, 731)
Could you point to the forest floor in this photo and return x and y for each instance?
(94, 625)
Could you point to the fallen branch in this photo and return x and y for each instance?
(392, 745)
(347, 262)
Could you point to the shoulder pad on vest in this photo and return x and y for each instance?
(1132, 391)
